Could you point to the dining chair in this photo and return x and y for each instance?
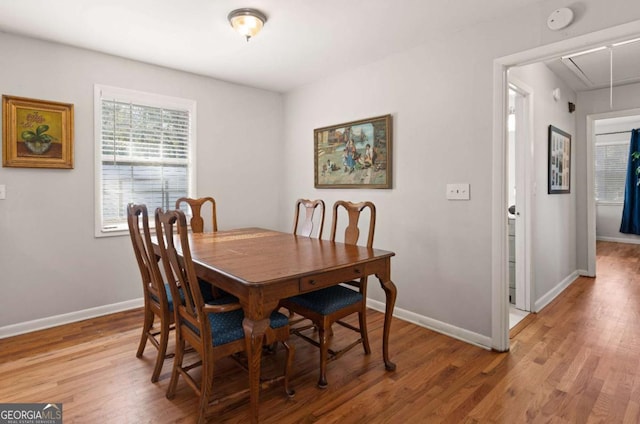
(331, 304)
(305, 226)
(213, 329)
(158, 299)
(196, 222)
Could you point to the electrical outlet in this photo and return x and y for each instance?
(458, 191)
(3, 192)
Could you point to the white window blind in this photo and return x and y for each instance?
(611, 171)
(144, 153)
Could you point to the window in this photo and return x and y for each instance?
(143, 145)
(611, 170)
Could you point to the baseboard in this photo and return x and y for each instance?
(435, 325)
(620, 240)
(584, 273)
(554, 292)
(426, 322)
(54, 321)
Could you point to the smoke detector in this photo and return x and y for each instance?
(560, 19)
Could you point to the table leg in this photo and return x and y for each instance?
(390, 292)
(254, 332)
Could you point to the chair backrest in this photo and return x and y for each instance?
(352, 232)
(152, 280)
(306, 225)
(181, 275)
(197, 223)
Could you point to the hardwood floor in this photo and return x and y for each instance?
(578, 361)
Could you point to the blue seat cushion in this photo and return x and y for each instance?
(205, 289)
(226, 327)
(328, 300)
(169, 296)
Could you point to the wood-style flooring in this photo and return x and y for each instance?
(577, 361)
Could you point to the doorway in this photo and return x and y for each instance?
(607, 153)
(519, 124)
(500, 288)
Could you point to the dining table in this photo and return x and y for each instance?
(260, 267)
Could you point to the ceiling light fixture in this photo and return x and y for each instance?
(247, 22)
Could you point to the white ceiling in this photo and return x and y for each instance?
(302, 41)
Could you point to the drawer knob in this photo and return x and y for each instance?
(312, 282)
(357, 271)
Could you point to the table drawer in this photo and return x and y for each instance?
(331, 278)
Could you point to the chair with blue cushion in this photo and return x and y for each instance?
(212, 329)
(304, 226)
(158, 301)
(330, 305)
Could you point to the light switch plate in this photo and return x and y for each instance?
(458, 191)
(3, 192)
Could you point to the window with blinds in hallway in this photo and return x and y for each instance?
(143, 153)
(611, 159)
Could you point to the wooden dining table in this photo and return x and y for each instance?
(261, 266)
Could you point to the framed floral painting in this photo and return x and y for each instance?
(36, 133)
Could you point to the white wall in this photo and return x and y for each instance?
(50, 262)
(441, 97)
(626, 97)
(554, 223)
(608, 218)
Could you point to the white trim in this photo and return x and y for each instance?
(620, 240)
(591, 199)
(584, 273)
(525, 223)
(435, 325)
(554, 292)
(54, 321)
(499, 225)
(608, 203)
(499, 279)
(142, 98)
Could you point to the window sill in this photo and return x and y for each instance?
(601, 203)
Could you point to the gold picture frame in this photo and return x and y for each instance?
(355, 154)
(36, 133)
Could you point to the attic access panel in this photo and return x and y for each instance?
(593, 69)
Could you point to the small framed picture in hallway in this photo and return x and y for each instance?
(559, 161)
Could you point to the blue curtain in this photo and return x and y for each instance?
(631, 210)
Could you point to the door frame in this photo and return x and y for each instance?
(499, 242)
(524, 155)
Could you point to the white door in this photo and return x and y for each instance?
(523, 158)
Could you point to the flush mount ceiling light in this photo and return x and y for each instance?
(247, 22)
